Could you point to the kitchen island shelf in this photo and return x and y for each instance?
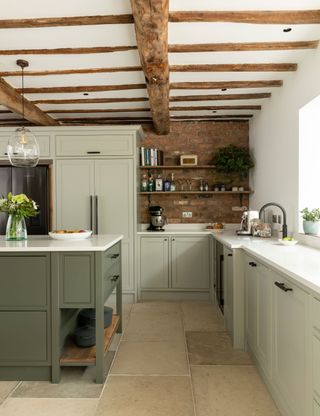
(73, 355)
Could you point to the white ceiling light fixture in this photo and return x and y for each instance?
(23, 149)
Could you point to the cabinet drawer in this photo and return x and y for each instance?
(23, 281)
(112, 256)
(43, 140)
(77, 280)
(23, 336)
(111, 279)
(111, 144)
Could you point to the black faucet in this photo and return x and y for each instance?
(284, 225)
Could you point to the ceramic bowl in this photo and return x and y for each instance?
(287, 242)
(70, 236)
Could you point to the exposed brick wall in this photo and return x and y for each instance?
(202, 139)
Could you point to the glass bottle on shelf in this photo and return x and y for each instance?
(206, 186)
(144, 183)
(150, 183)
(173, 183)
(159, 183)
(166, 185)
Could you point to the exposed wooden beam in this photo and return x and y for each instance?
(66, 21)
(67, 51)
(212, 117)
(235, 68)
(285, 17)
(220, 97)
(225, 84)
(151, 27)
(82, 88)
(10, 98)
(253, 46)
(99, 119)
(97, 110)
(91, 100)
(217, 107)
(69, 71)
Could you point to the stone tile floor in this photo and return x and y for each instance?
(174, 359)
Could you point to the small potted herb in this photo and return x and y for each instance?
(311, 221)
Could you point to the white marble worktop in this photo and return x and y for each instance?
(300, 262)
(45, 243)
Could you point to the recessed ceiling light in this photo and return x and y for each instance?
(85, 93)
(287, 29)
(223, 89)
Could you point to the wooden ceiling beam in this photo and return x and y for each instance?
(217, 107)
(82, 88)
(65, 21)
(282, 67)
(67, 51)
(69, 71)
(286, 17)
(97, 110)
(91, 100)
(234, 47)
(151, 27)
(220, 97)
(10, 98)
(240, 116)
(225, 84)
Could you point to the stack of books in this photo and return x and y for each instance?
(150, 157)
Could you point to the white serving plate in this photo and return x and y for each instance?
(287, 243)
(70, 236)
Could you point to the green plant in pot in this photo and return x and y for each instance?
(235, 161)
(311, 221)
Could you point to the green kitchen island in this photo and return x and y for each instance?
(43, 285)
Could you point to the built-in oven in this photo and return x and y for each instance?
(219, 275)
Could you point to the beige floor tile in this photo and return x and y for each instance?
(157, 307)
(153, 327)
(76, 382)
(6, 387)
(146, 396)
(49, 407)
(126, 310)
(231, 391)
(208, 348)
(146, 358)
(202, 316)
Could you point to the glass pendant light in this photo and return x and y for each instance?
(23, 149)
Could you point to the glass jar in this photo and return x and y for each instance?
(16, 228)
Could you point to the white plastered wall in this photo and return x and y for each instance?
(274, 140)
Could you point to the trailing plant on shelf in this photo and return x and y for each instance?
(311, 221)
(233, 159)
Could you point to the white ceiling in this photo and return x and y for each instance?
(124, 35)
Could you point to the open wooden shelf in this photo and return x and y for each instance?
(178, 167)
(197, 192)
(74, 355)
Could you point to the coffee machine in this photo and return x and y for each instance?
(157, 218)
(246, 222)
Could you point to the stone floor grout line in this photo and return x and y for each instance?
(188, 361)
(10, 393)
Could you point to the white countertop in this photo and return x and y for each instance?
(44, 243)
(300, 262)
(182, 229)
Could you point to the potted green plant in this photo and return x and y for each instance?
(233, 159)
(311, 221)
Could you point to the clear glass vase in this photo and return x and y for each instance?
(16, 228)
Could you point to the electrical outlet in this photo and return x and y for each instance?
(187, 214)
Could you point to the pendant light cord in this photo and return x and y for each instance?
(22, 94)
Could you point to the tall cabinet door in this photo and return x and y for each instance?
(114, 187)
(75, 185)
(154, 263)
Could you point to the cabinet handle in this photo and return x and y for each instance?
(115, 278)
(97, 215)
(283, 287)
(115, 256)
(173, 239)
(93, 152)
(252, 264)
(165, 239)
(229, 255)
(91, 212)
